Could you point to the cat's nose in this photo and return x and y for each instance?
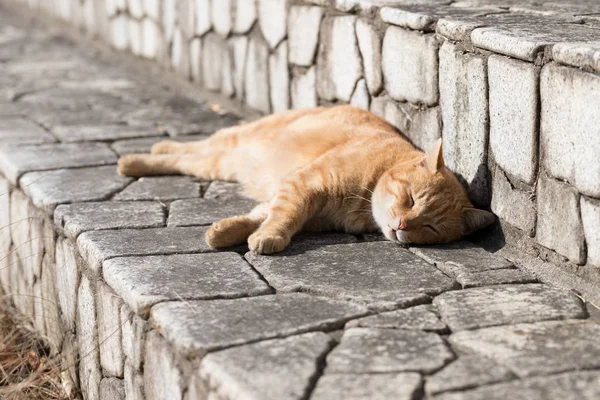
(402, 225)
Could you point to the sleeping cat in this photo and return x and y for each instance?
(338, 168)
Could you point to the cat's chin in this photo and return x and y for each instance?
(395, 236)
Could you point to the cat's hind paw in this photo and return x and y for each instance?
(230, 232)
(131, 165)
(265, 243)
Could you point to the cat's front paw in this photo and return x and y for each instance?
(266, 243)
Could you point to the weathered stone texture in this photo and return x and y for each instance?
(360, 98)
(369, 42)
(23, 131)
(402, 386)
(590, 216)
(239, 46)
(206, 211)
(80, 133)
(244, 16)
(134, 383)
(303, 89)
(202, 16)
(112, 389)
(272, 17)
(279, 78)
(414, 318)
(515, 206)
(162, 378)
(214, 50)
(582, 54)
(161, 188)
(256, 76)
(221, 13)
(303, 34)
(109, 331)
(90, 373)
(494, 277)
(67, 281)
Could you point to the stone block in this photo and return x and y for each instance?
(256, 75)
(568, 126)
(410, 66)
(398, 278)
(109, 331)
(119, 32)
(303, 34)
(38, 309)
(70, 362)
(144, 145)
(515, 206)
(214, 50)
(580, 54)
(464, 103)
(244, 16)
(196, 59)
(402, 386)
(112, 389)
(272, 369)
(360, 98)
(414, 318)
(53, 328)
(339, 65)
(376, 351)
(264, 317)
(239, 47)
(162, 189)
(90, 373)
(421, 127)
(506, 304)
(133, 383)
(168, 19)
(49, 189)
(202, 15)
(494, 277)
(272, 18)
(369, 42)
(135, 36)
(97, 246)
(558, 211)
(303, 89)
(134, 330)
(23, 131)
(162, 378)
(227, 83)
(514, 119)
(590, 216)
(136, 8)
(221, 15)
(181, 276)
(150, 39)
(102, 132)
(279, 78)
(66, 281)
(194, 212)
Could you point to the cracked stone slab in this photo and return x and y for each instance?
(506, 304)
(98, 246)
(494, 277)
(77, 218)
(402, 386)
(239, 321)
(379, 274)
(17, 160)
(144, 145)
(81, 133)
(145, 281)
(205, 211)
(269, 370)
(47, 189)
(584, 385)
(162, 189)
(22, 131)
(415, 318)
(540, 348)
(467, 372)
(369, 350)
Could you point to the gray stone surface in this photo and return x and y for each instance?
(369, 350)
(98, 246)
(247, 320)
(80, 133)
(112, 389)
(410, 66)
(360, 98)
(414, 318)
(144, 145)
(590, 216)
(303, 34)
(402, 386)
(572, 386)
(506, 304)
(134, 383)
(494, 277)
(68, 267)
(90, 373)
(579, 54)
(162, 378)
(77, 218)
(541, 348)
(568, 137)
(244, 16)
(369, 42)
(133, 333)
(272, 369)
(558, 211)
(390, 276)
(192, 212)
(109, 331)
(47, 189)
(145, 281)
(514, 119)
(515, 206)
(256, 75)
(225, 191)
(162, 189)
(279, 79)
(214, 50)
(272, 17)
(22, 131)
(239, 45)
(467, 372)
(221, 13)
(17, 160)
(303, 90)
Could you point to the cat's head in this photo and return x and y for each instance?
(423, 203)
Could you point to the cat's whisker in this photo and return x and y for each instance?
(360, 197)
(366, 188)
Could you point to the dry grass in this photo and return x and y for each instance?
(27, 371)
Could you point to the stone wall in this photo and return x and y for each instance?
(512, 90)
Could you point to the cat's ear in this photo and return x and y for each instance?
(475, 219)
(433, 159)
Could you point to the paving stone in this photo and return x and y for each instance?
(134, 383)
(109, 331)
(161, 189)
(506, 304)
(369, 350)
(467, 372)
(279, 78)
(464, 103)
(225, 192)
(590, 216)
(77, 218)
(410, 66)
(303, 89)
(389, 275)
(17, 160)
(272, 369)
(134, 330)
(22, 131)
(303, 34)
(579, 54)
(369, 42)
(80, 133)
(573, 386)
(144, 145)
(541, 348)
(256, 76)
(558, 211)
(338, 63)
(244, 16)
(66, 281)
(181, 276)
(360, 97)
(112, 389)
(414, 318)
(247, 319)
(194, 212)
(90, 373)
(568, 141)
(162, 378)
(47, 189)
(402, 386)
(514, 121)
(494, 277)
(98, 246)
(515, 206)
(272, 16)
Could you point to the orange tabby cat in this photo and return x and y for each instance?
(339, 168)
